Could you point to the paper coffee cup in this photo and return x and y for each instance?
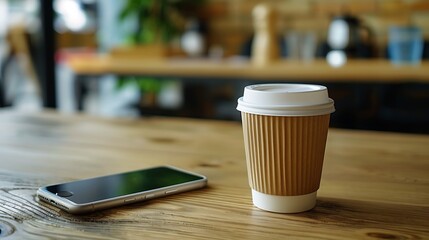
(285, 128)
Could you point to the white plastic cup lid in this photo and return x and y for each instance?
(286, 100)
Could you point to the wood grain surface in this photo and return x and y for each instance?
(376, 70)
(374, 184)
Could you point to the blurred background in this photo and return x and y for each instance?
(37, 37)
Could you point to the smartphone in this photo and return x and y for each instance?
(89, 195)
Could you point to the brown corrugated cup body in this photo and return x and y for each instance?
(285, 139)
(285, 154)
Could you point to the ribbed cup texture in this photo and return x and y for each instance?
(285, 154)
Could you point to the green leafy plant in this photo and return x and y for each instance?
(157, 20)
(145, 84)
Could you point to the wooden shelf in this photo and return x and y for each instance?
(354, 70)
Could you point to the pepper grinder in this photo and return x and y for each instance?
(264, 47)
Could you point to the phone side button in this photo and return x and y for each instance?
(171, 191)
(129, 200)
(150, 196)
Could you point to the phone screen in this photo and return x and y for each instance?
(100, 188)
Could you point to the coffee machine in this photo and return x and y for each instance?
(347, 38)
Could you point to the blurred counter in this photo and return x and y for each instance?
(368, 94)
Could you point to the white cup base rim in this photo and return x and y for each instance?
(284, 204)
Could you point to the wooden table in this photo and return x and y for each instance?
(374, 184)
